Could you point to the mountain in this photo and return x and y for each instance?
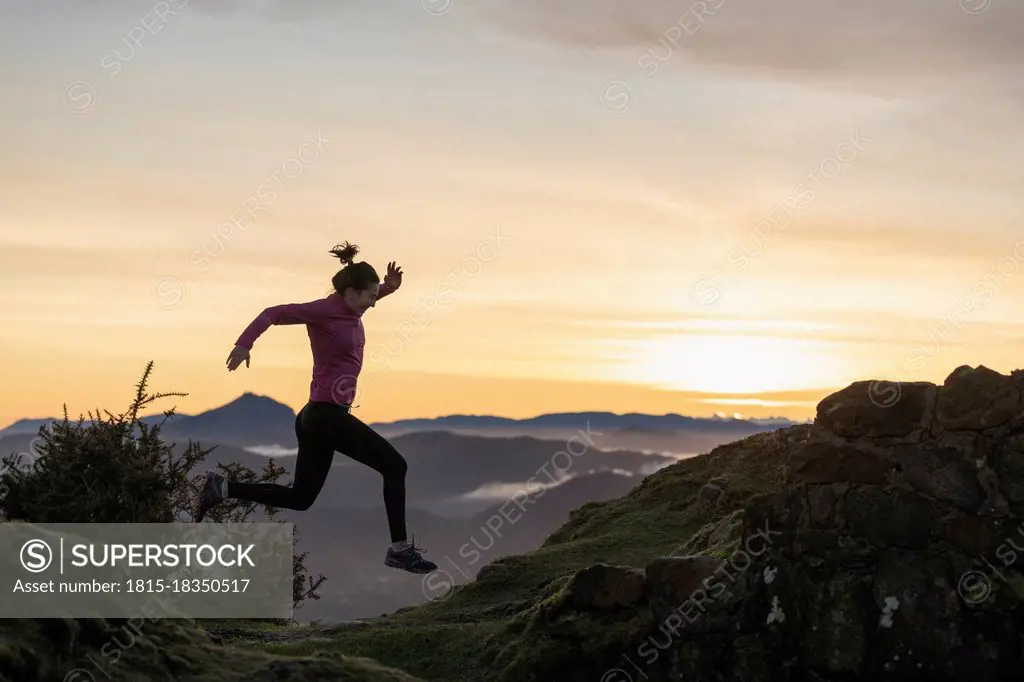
(672, 433)
(573, 420)
(22, 426)
(249, 420)
(246, 421)
(253, 420)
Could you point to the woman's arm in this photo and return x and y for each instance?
(311, 312)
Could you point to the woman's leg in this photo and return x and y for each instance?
(312, 465)
(356, 440)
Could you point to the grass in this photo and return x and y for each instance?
(71, 650)
(500, 627)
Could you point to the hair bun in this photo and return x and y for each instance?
(346, 252)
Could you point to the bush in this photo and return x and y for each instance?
(116, 469)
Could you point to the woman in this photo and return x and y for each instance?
(325, 424)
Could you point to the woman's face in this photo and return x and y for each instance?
(361, 301)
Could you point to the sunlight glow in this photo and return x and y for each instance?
(759, 402)
(734, 364)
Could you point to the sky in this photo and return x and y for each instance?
(736, 206)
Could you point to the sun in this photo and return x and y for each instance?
(733, 364)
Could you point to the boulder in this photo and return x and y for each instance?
(942, 473)
(822, 504)
(1008, 464)
(837, 625)
(877, 409)
(685, 587)
(974, 535)
(890, 518)
(605, 588)
(709, 494)
(975, 399)
(821, 462)
(724, 531)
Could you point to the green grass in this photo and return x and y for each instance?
(171, 650)
(499, 627)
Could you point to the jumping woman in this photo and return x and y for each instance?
(325, 424)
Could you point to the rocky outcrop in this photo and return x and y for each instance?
(605, 588)
(895, 551)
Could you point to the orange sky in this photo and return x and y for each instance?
(628, 208)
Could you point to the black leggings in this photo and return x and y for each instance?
(322, 428)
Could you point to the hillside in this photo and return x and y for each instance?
(873, 544)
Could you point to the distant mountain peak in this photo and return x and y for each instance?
(252, 401)
(249, 396)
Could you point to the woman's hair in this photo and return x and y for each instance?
(354, 275)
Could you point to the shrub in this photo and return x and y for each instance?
(116, 469)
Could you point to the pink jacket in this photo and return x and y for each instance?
(336, 338)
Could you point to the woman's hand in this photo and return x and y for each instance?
(238, 353)
(394, 277)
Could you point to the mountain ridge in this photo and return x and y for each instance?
(277, 417)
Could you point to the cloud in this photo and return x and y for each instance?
(272, 10)
(872, 44)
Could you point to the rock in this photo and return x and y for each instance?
(977, 399)
(709, 494)
(819, 462)
(1010, 551)
(912, 589)
(827, 548)
(720, 481)
(876, 409)
(724, 531)
(751, 662)
(774, 516)
(605, 588)
(682, 575)
(817, 545)
(874, 548)
(681, 585)
(837, 624)
(942, 473)
(897, 518)
(974, 535)
(1008, 464)
(920, 588)
(970, 444)
(822, 501)
(492, 571)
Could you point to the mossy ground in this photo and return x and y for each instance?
(67, 650)
(487, 629)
